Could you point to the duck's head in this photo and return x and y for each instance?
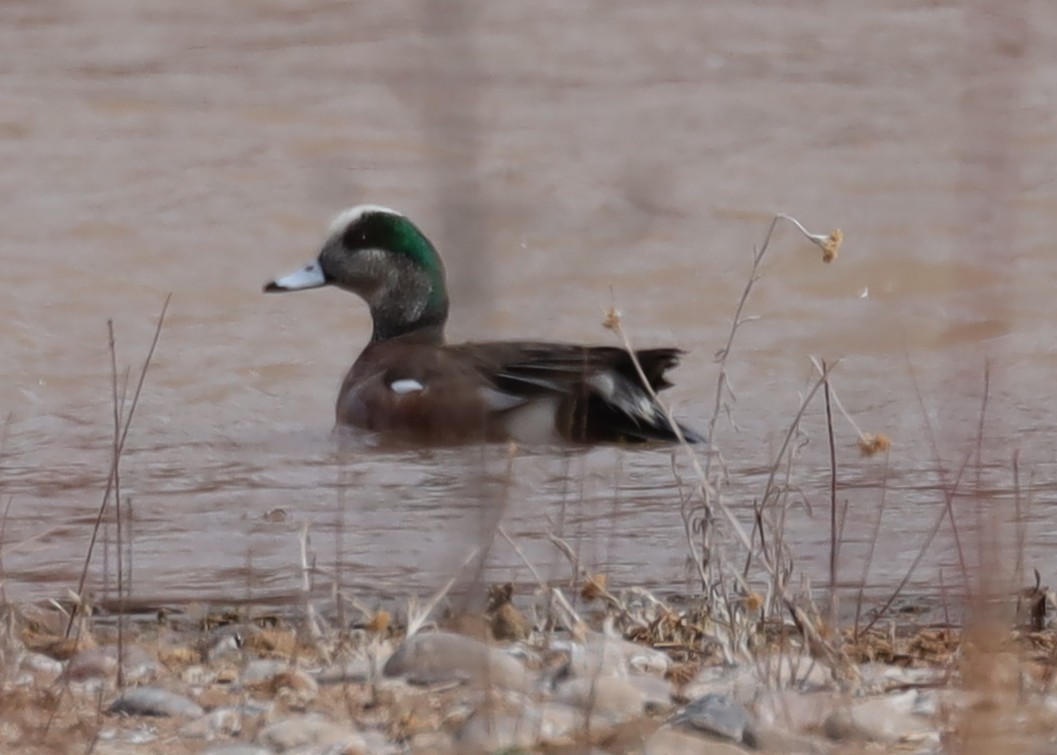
(383, 257)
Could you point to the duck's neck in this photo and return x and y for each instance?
(426, 329)
(412, 300)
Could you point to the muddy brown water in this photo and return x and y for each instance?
(564, 156)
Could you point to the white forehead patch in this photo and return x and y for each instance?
(347, 217)
(401, 387)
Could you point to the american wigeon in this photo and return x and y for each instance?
(410, 384)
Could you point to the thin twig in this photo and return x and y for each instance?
(868, 561)
(1021, 527)
(834, 544)
(120, 447)
(416, 618)
(948, 496)
(934, 447)
(522, 556)
(116, 472)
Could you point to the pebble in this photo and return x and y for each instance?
(237, 750)
(740, 683)
(198, 676)
(878, 677)
(155, 701)
(884, 719)
(488, 730)
(782, 670)
(720, 716)
(295, 687)
(261, 670)
(226, 645)
(431, 742)
(443, 657)
(225, 722)
(796, 711)
(91, 663)
(778, 740)
(559, 721)
(745, 683)
(42, 664)
(656, 691)
(601, 655)
(666, 741)
(137, 735)
(309, 729)
(612, 698)
(355, 670)
(102, 662)
(593, 659)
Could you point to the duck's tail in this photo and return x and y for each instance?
(617, 407)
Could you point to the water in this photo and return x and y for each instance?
(565, 157)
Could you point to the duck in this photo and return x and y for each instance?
(409, 384)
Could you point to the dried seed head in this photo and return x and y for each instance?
(870, 444)
(753, 602)
(379, 622)
(509, 623)
(594, 586)
(611, 321)
(830, 245)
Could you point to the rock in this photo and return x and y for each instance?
(656, 691)
(91, 663)
(792, 670)
(236, 750)
(443, 657)
(119, 737)
(883, 719)
(309, 729)
(261, 670)
(154, 701)
(102, 662)
(613, 699)
(741, 684)
(295, 687)
(666, 741)
(198, 676)
(488, 730)
(292, 685)
(225, 722)
(600, 655)
(377, 743)
(227, 644)
(776, 740)
(720, 716)
(356, 670)
(591, 660)
(878, 678)
(431, 742)
(744, 683)
(41, 664)
(797, 711)
(558, 721)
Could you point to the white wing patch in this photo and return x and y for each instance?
(604, 384)
(401, 387)
(499, 401)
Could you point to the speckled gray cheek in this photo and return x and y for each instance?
(404, 289)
